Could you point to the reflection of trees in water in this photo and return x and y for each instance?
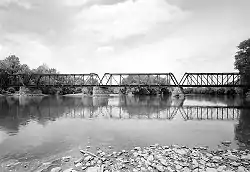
(242, 129)
(16, 111)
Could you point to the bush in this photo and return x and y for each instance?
(50, 90)
(11, 90)
(78, 90)
(231, 91)
(220, 91)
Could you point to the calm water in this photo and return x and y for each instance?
(38, 128)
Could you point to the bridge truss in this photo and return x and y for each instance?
(138, 79)
(43, 80)
(124, 80)
(211, 80)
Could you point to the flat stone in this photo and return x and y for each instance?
(87, 158)
(66, 158)
(245, 157)
(150, 158)
(216, 158)
(186, 169)
(181, 151)
(160, 168)
(232, 157)
(178, 167)
(93, 169)
(235, 164)
(79, 160)
(78, 165)
(56, 169)
(241, 169)
(221, 168)
(211, 170)
(226, 142)
(68, 170)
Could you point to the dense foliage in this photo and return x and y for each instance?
(11, 65)
(242, 60)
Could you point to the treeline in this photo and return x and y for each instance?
(11, 65)
(242, 63)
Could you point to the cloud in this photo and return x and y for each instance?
(129, 18)
(75, 3)
(121, 35)
(105, 49)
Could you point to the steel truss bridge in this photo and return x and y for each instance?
(124, 80)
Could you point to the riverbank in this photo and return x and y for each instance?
(152, 158)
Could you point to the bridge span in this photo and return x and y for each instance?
(123, 80)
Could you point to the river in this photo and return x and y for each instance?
(36, 129)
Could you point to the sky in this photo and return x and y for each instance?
(99, 36)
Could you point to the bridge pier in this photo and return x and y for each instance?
(178, 92)
(101, 91)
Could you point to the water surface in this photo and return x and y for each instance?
(37, 128)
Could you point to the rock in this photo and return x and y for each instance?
(160, 168)
(241, 169)
(88, 158)
(84, 167)
(221, 168)
(66, 158)
(56, 169)
(226, 142)
(216, 158)
(186, 169)
(137, 148)
(102, 154)
(235, 164)
(46, 163)
(170, 169)
(211, 170)
(78, 165)
(93, 169)
(181, 151)
(232, 157)
(150, 158)
(68, 170)
(79, 160)
(178, 167)
(203, 148)
(245, 157)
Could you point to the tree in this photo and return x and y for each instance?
(44, 69)
(242, 61)
(10, 64)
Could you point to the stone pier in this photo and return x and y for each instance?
(101, 91)
(178, 92)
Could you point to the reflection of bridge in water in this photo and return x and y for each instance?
(187, 113)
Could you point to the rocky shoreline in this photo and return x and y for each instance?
(154, 158)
